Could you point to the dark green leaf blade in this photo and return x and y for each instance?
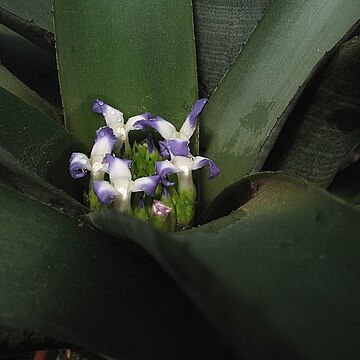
(69, 282)
(12, 84)
(222, 28)
(28, 29)
(138, 56)
(38, 11)
(278, 278)
(38, 142)
(32, 65)
(240, 122)
(17, 176)
(325, 124)
(284, 271)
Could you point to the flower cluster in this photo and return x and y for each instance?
(160, 177)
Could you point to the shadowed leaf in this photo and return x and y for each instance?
(38, 142)
(325, 125)
(67, 281)
(33, 66)
(28, 29)
(277, 278)
(12, 84)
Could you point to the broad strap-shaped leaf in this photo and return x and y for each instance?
(32, 65)
(222, 28)
(69, 282)
(325, 125)
(12, 84)
(39, 11)
(38, 142)
(138, 56)
(29, 28)
(277, 278)
(244, 116)
(17, 176)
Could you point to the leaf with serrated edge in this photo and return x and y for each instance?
(240, 123)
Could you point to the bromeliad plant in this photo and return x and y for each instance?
(272, 261)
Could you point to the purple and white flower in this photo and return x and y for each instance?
(115, 120)
(121, 186)
(163, 168)
(181, 159)
(169, 148)
(168, 130)
(80, 164)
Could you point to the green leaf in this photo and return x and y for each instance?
(246, 112)
(277, 278)
(138, 56)
(28, 29)
(13, 85)
(325, 125)
(284, 270)
(38, 142)
(69, 282)
(221, 29)
(32, 65)
(21, 179)
(39, 11)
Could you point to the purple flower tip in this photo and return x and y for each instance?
(105, 131)
(141, 204)
(164, 149)
(214, 170)
(143, 122)
(79, 165)
(99, 107)
(150, 144)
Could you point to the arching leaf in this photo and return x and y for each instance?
(325, 124)
(12, 84)
(245, 114)
(38, 142)
(71, 283)
(277, 278)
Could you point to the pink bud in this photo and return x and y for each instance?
(160, 209)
